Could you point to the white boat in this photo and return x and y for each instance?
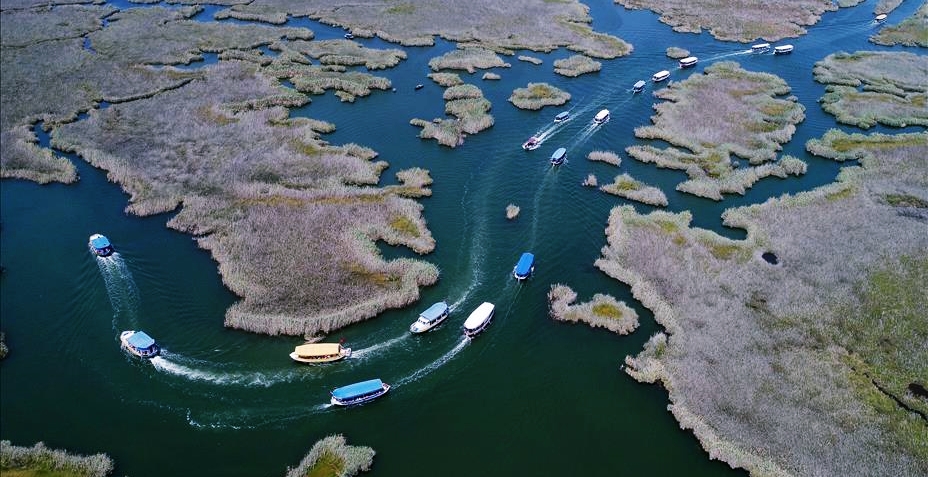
(601, 116)
(783, 49)
(688, 62)
(559, 156)
(561, 117)
(760, 48)
(638, 86)
(430, 318)
(880, 18)
(660, 76)
(531, 144)
(139, 344)
(315, 353)
(349, 36)
(359, 393)
(479, 319)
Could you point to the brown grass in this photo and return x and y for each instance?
(630, 188)
(576, 65)
(602, 311)
(512, 211)
(538, 95)
(333, 457)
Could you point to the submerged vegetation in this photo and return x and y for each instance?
(39, 460)
(630, 188)
(695, 121)
(333, 457)
(602, 311)
(913, 31)
(576, 65)
(538, 95)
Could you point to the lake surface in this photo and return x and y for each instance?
(530, 396)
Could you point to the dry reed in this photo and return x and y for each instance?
(538, 95)
(590, 180)
(677, 53)
(608, 157)
(40, 460)
(576, 65)
(602, 311)
(512, 211)
(630, 188)
(446, 79)
(338, 458)
(913, 31)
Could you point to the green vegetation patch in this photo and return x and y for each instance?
(39, 460)
(630, 188)
(913, 31)
(576, 65)
(905, 200)
(333, 457)
(538, 95)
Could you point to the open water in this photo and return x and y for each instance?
(530, 396)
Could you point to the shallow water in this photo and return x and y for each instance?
(529, 396)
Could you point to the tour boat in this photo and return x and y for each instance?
(525, 267)
(601, 116)
(689, 61)
(359, 393)
(783, 49)
(430, 318)
(314, 353)
(760, 48)
(420, 86)
(349, 36)
(638, 86)
(562, 117)
(880, 18)
(660, 76)
(479, 319)
(100, 245)
(531, 144)
(139, 344)
(559, 156)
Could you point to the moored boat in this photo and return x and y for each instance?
(660, 76)
(524, 267)
(563, 116)
(100, 245)
(314, 353)
(880, 18)
(531, 144)
(430, 318)
(783, 49)
(559, 156)
(688, 62)
(359, 393)
(479, 319)
(638, 86)
(139, 344)
(760, 48)
(601, 116)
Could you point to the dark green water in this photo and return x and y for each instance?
(527, 397)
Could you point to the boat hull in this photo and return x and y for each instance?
(360, 400)
(419, 327)
(345, 353)
(663, 75)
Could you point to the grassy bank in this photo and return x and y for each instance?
(538, 95)
(630, 188)
(576, 65)
(333, 457)
(39, 460)
(470, 112)
(468, 59)
(913, 31)
(603, 311)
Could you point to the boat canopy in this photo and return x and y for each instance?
(318, 350)
(355, 390)
(689, 60)
(640, 84)
(140, 340)
(559, 154)
(479, 316)
(99, 242)
(562, 116)
(760, 46)
(524, 267)
(434, 312)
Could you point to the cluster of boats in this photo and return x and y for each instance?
(777, 50)
(560, 154)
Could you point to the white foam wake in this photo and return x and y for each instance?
(375, 349)
(166, 365)
(120, 287)
(424, 371)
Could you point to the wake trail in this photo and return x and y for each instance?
(166, 364)
(425, 370)
(120, 287)
(377, 348)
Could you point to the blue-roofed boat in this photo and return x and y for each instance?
(139, 344)
(100, 245)
(559, 156)
(359, 393)
(479, 319)
(430, 318)
(561, 117)
(525, 267)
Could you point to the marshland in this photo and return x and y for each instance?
(254, 168)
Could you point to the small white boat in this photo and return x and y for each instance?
(689, 62)
(660, 76)
(100, 245)
(479, 319)
(880, 18)
(783, 49)
(359, 393)
(760, 48)
(638, 86)
(139, 344)
(349, 36)
(559, 156)
(315, 353)
(430, 318)
(561, 117)
(531, 144)
(601, 116)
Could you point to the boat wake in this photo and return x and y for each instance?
(256, 379)
(120, 286)
(424, 371)
(373, 350)
(723, 55)
(252, 418)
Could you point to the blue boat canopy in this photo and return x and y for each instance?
(357, 389)
(435, 311)
(562, 116)
(100, 242)
(140, 340)
(524, 267)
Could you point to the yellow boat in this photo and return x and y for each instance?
(320, 353)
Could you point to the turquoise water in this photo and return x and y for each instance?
(527, 397)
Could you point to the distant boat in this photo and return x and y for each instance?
(430, 318)
(760, 48)
(660, 76)
(349, 36)
(139, 344)
(562, 117)
(783, 49)
(479, 319)
(880, 18)
(638, 86)
(359, 393)
(315, 353)
(559, 157)
(688, 62)
(525, 267)
(420, 86)
(601, 116)
(100, 245)
(531, 144)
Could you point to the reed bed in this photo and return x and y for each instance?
(742, 179)
(913, 31)
(251, 13)
(40, 460)
(590, 180)
(512, 211)
(737, 21)
(603, 311)
(608, 157)
(576, 65)
(886, 6)
(677, 52)
(491, 76)
(471, 115)
(794, 346)
(317, 80)
(19, 28)
(462, 91)
(349, 53)
(332, 456)
(530, 59)
(446, 79)
(538, 95)
(468, 59)
(630, 188)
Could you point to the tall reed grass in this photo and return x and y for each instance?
(602, 311)
(538, 95)
(630, 188)
(336, 457)
(349, 53)
(576, 65)
(41, 460)
(913, 31)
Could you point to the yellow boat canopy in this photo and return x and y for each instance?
(318, 350)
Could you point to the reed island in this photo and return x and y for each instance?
(333, 457)
(40, 460)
